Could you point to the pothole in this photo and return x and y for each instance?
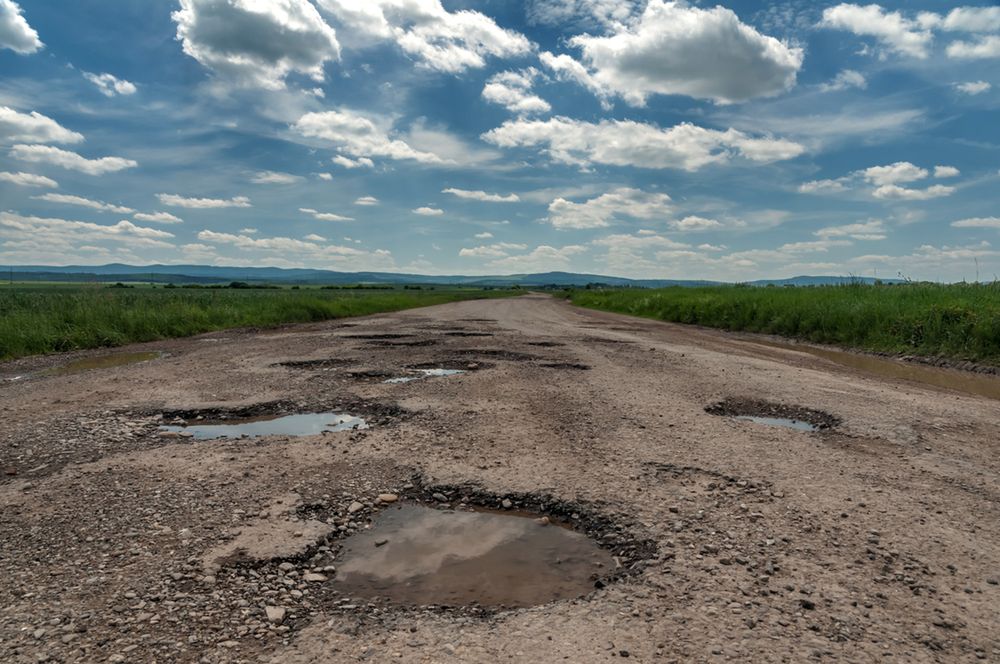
(103, 362)
(459, 333)
(377, 336)
(417, 343)
(322, 364)
(302, 424)
(418, 555)
(544, 344)
(775, 414)
(425, 373)
(565, 365)
(497, 354)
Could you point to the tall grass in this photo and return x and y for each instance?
(59, 318)
(960, 321)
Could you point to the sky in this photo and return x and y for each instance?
(645, 138)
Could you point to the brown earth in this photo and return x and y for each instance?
(876, 540)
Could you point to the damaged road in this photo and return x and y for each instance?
(876, 537)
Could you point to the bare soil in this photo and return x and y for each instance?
(877, 539)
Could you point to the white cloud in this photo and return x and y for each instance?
(15, 33)
(438, 39)
(848, 78)
(312, 237)
(286, 251)
(599, 212)
(358, 136)
(324, 216)
(256, 43)
(248, 231)
(361, 162)
(326, 177)
(899, 34)
(901, 171)
(22, 179)
(886, 181)
(157, 217)
(973, 87)
(175, 200)
(497, 250)
(628, 143)
(542, 257)
(512, 90)
(982, 48)
(479, 195)
(972, 19)
(588, 13)
(978, 222)
(946, 172)
(903, 193)
(428, 211)
(66, 235)
(367, 200)
(45, 154)
(674, 48)
(67, 199)
(33, 128)
(110, 85)
(695, 223)
(823, 186)
(869, 230)
(274, 177)
(485, 235)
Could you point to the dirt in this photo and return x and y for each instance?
(876, 540)
(737, 407)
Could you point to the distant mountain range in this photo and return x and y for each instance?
(210, 274)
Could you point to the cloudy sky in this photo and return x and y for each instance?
(644, 139)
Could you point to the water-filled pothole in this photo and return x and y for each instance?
(322, 364)
(564, 365)
(425, 373)
(775, 414)
(103, 362)
(418, 555)
(302, 424)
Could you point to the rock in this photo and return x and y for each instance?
(440, 497)
(381, 542)
(314, 577)
(286, 567)
(355, 507)
(275, 614)
(506, 504)
(544, 521)
(388, 497)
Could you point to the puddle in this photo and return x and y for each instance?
(786, 422)
(323, 364)
(426, 373)
(102, 362)
(978, 384)
(564, 365)
(305, 424)
(416, 555)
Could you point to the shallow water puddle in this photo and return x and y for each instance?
(786, 422)
(304, 424)
(416, 555)
(426, 373)
(103, 362)
(952, 379)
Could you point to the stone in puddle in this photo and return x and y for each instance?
(275, 614)
(388, 497)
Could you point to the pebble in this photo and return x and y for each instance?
(313, 577)
(506, 504)
(440, 497)
(388, 497)
(275, 614)
(354, 507)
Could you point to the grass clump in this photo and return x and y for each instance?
(957, 321)
(36, 319)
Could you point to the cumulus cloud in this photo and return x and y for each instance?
(603, 210)
(358, 136)
(946, 172)
(428, 211)
(361, 162)
(100, 206)
(274, 177)
(674, 48)
(894, 191)
(326, 177)
(324, 216)
(15, 33)
(695, 223)
(438, 39)
(887, 182)
(899, 34)
(869, 230)
(846, 79)
(67, 235)
(512, 90)
(254, 43)
(157, 217)
(628, 143)
(823, 186)
(175, 200)
(987, 47)
(110, 85)
(901, 171)
(496, 250)
(46, 154)
(542, 257)
(33, 128)
(978, 222)
(973, 87)
(485, 235)
(293, 251)
(972, 19)
(479, 195)
(22, 179)
(586, 13)
(366, 200)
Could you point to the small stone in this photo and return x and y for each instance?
(313, 577)
(116, 658)
(355, 507)
(440, 497)
(275, 614)
(388, 497)
(381, 542)
(506, 504)
(544, 521)
(286, 567)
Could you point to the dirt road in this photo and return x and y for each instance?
(876, 540)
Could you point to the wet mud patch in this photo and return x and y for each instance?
(544, 344)
(604, 340)
(315, 365)
(775, 414)
(420, 374)
(299, 424)
(497, 354)
(566, 366)
(463, 333)
(478, 320)
(386, 335)
(418, 343)
(103, 362)
(370, 374)
(451, 364)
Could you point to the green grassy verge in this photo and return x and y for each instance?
(56, 318)
(959, 321)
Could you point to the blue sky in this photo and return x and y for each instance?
(642, 139)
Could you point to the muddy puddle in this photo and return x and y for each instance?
(786, 422)
(415, 555)
(768, 413)
(951, 379)
(303, 424)
(102, 362)
(425, 373)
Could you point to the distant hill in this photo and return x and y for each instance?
(209, 274)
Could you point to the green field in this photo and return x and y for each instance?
(959, 321)
(46, 318)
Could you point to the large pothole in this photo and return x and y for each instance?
(774, 414)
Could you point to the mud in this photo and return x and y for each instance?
(103, 362)
(764, 412)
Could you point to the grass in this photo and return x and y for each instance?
(59, 317)
(957, 321)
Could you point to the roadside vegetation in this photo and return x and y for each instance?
(46, 318)
(956, 321)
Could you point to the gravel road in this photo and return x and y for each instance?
(875, 539)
